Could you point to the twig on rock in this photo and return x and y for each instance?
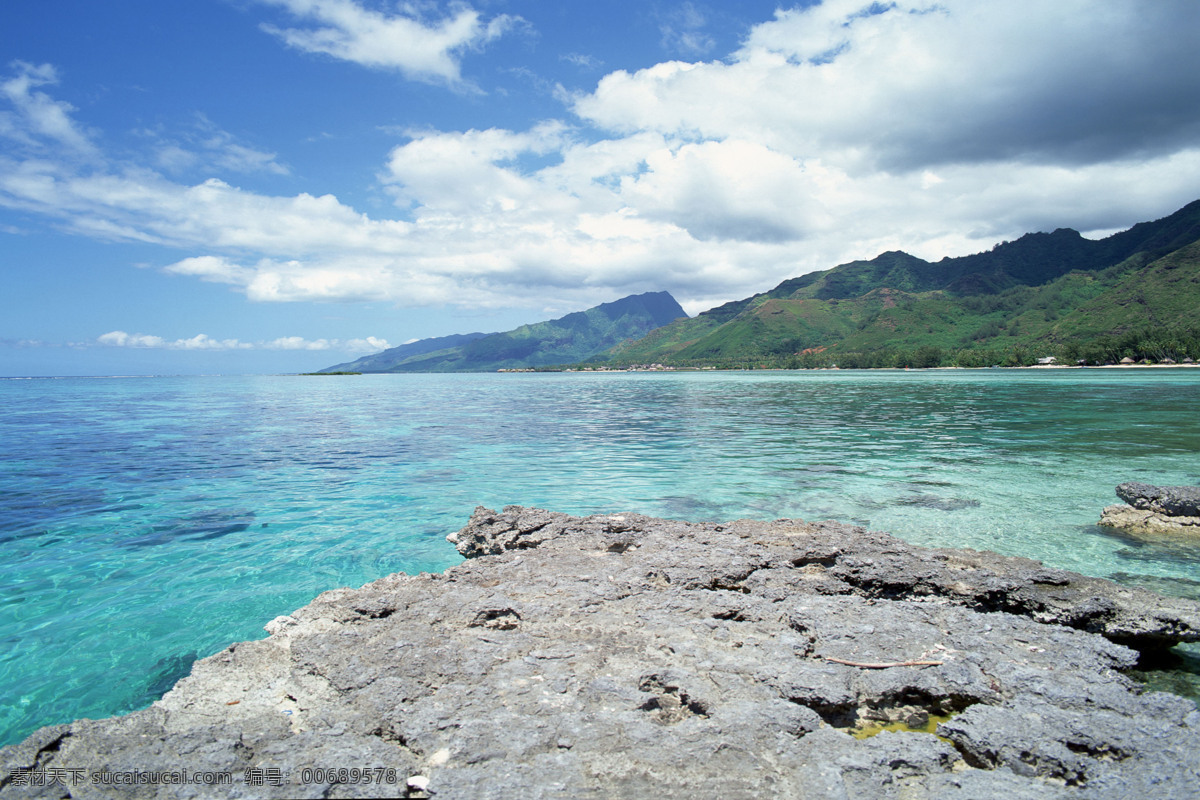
(885, 664)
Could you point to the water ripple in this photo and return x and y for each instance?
(147, 521)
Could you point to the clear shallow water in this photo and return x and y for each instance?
(148, 521)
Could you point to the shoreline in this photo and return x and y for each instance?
(827, 369)
(614, 369)
(621, 655)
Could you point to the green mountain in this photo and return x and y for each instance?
(384, 360)
(576, 337)
(1135, 293)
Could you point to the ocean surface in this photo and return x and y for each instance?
(145, 522)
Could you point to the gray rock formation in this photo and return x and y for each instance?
(626, 656)
(1171, 501)
(1155, 509)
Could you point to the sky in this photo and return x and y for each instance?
(266, 186)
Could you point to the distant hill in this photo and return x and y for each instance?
(576, 337)
(1135, 293)
(383, 361)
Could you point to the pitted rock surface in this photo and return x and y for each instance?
(627, 656)
(1155, 510)
(1173, 501)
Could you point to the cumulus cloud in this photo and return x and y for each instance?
(369, 344)
(422, 50)
(198, 342)
(909, 84)
(835, 132)
(728, 190)
(469, 172)
(123, 339)
(297, 343)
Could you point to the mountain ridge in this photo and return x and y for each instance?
(998, 305)
(574, 337)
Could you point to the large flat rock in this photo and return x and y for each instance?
(627, 656)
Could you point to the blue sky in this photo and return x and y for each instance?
(242, 186)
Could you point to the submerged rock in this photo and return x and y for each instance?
(1155, 509)
(627, 656)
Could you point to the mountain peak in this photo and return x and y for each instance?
(575, 337)
(660, 306)
(1057, 292)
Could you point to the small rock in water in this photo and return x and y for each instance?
(1171, 501)
(1155, 510)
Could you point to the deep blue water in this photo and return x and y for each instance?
(148, 521)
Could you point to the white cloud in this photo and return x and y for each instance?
(371, 344)
(730, 190)
(709, 220)
(205, 146)
(834, 133)
(198, 342)
(123, 339)
(202, 341)
(908, 84)
(297, 343)
(421, 50)
(682, 30)
(211, 268)
(469, 172)
(583, 61)
(36, 115)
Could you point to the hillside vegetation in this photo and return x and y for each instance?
(575, 337)
(1135, 294)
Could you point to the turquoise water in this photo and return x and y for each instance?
(148, 521)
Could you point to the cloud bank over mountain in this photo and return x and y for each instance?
(830, 132)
